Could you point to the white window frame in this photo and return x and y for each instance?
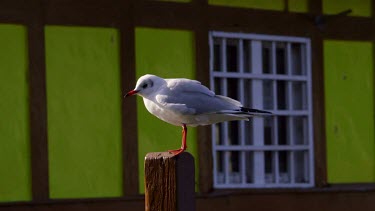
(258, 147)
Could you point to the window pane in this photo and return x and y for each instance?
(282, 100)
(268, 96)
(219, 134)
(297, 59)
(298, 95)
(284, 172)
(218, 85)
(269, 138)
(249, 132)
(217, 55)
(281, 58)
(249, 163)
(282, 129)
(301, 169)
(233, 126)
(300, 130)
(233, 131)
(234, 167)
(247, 92)
(269, 166)
(232, 55)
(220, 175)
(266, 57)
(232, 88)
(247, 55)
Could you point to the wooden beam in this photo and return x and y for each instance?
(373, 54)
(129, 105)
(343, 197)
(319, 110)
(185, 16)
(14, 11)
(315, 7)
(165, 15)
(202, 73)
(38, 104)
(343, 27)
(258, 21)
(104, 13)
(169, 182)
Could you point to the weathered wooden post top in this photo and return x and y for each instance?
(169, 182)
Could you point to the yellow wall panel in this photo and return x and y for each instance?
(15, 172)
(349, 102)
(358, 7)
(84, 112)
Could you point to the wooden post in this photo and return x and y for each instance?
(169, 182)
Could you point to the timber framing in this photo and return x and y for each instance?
(200, 18)
(38, 106)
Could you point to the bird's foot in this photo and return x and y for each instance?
(176, 151)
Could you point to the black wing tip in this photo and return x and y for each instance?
(252, 110)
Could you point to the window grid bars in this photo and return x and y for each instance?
(257, 102)
(306, 65)
(258, 76)
(246, 36)
(266, 185)
(290, 158)
(263, 148)
(275, 154)
(225, 138)
(213, 129)
(241, 97)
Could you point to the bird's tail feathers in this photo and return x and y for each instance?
(245, 112)
(230, 100)
(255, 111)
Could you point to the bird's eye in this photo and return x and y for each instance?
(144, 86)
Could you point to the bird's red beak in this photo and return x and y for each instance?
(132, 92)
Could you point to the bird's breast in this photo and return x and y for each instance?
(162, 113)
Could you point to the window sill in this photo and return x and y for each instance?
(333, 188)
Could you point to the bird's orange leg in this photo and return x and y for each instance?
(183, 144)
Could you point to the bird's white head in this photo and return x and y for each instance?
(146, 86)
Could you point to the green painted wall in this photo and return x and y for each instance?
(298, 5)
(15, 175)
(349, 101)
(169, 54)
(358, 7)
(257, 4)
(84, 112)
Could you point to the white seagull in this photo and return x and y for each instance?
(184, 102)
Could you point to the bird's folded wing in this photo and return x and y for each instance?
(194, 103)
(189, 97)
(174, 104)
(186, 85)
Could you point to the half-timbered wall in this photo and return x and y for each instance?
(67, 134)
